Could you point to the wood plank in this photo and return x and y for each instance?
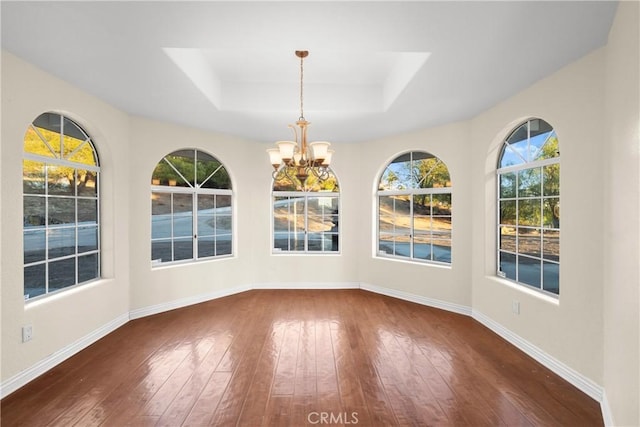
(292, 357)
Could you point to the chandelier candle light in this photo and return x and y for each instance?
(297, 158)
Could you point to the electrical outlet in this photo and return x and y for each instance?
(515, 307)
(27, 333)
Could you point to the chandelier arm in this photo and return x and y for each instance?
(295, 133)
(289, 174)
(274, 174)
(324, 173)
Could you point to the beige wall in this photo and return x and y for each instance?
(593, 328)
(447, 284)
(569, 328)
(66, 318)
(622, 218)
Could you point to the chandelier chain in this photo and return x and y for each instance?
(301, 88)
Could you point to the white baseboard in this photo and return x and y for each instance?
(185, 302)
(581, 382)
(22, 378)
(607, 415)
(431, 302)
(307, 285)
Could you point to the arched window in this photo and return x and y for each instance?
(306, 220)
(191, 208)
(414, 209)
(529, 207)
(61, 215)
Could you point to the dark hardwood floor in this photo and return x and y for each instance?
(301, 357)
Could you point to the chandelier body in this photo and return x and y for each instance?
(299, 158)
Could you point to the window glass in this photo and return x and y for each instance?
(191, 208)
(306, 221)
(414, 209)
(529, 207)
(61, 224)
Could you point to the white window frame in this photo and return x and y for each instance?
(304, 195)
(48, 229)
(411, 192)
(195, 235)
(527, 165)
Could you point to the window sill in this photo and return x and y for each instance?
(539, 294)
(62, 293)
(162, 265)
(291, 253)
(436, 264)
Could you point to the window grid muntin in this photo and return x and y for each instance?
(194, 192)
(412, 188)
(195, 188)
(305, 196)
(516, 169)
(59, 160)
(411, 194)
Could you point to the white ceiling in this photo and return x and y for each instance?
(374, 68)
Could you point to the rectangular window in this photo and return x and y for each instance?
(529, 226)
(305, 222)
(189, 225)
(415, 226)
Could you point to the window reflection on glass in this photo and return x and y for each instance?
(35, 245)
(33, 177)
(86, 183)
(182, 215)
(87, 239)
(551, 245)
(511, 157)
(35, 280)
(415, 170)
(62, 274)
(529, 212)
(529, 241)
(508, 209)
(529, 182)
(508, 239)
(206, 246)
(422, 245)
(551, 277)
(551, 212)
(62, 210)
(34, 211)
(508, 185)
(62, 242)
(182, 248)
(60, 179)
(88, 211)
(529, 271)
(88, 267)
(507, 265)
(160, 215)
(162, 250)
(529, 206)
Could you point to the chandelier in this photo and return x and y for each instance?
(298, 158)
